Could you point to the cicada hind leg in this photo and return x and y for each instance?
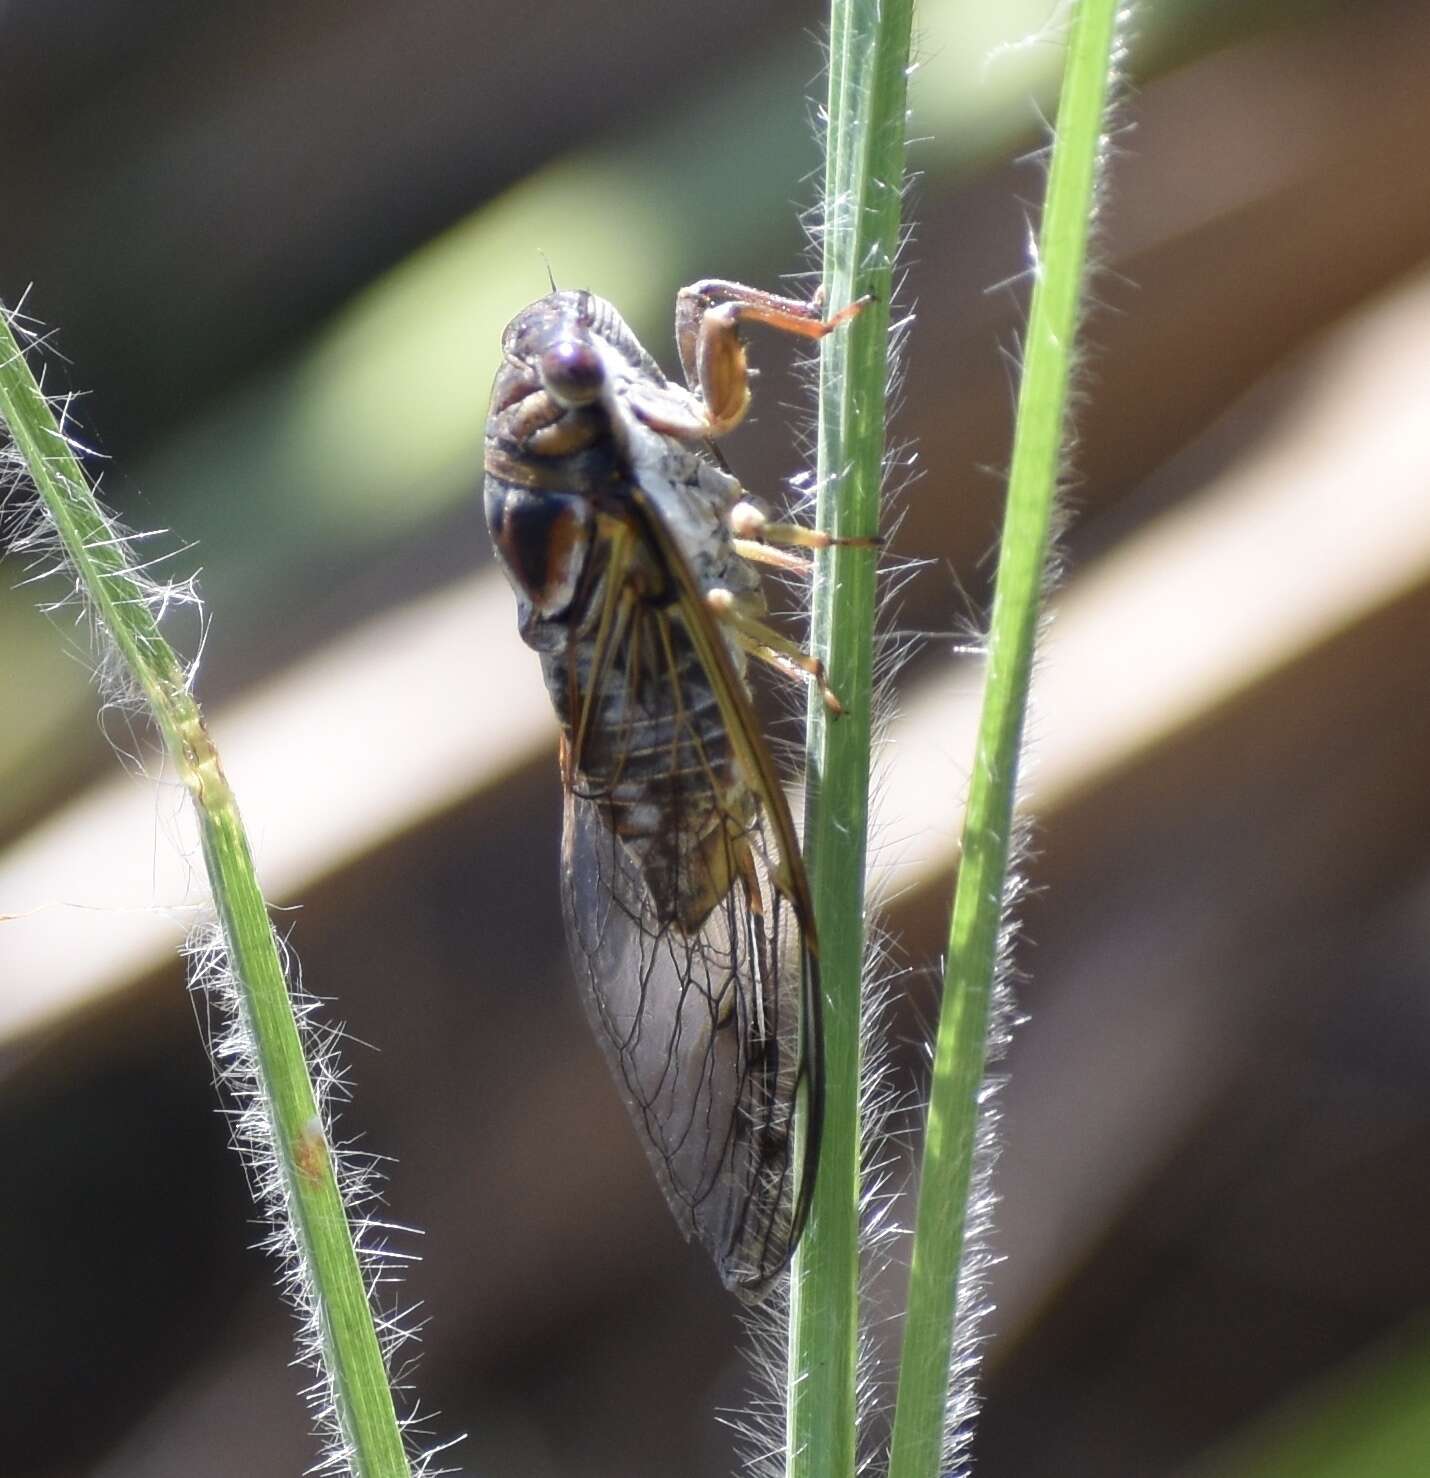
(761, 640)
(782, 546)
(757, 539)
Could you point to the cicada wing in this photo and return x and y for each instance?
(702, 1030)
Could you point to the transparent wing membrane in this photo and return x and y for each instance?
(702, 1032)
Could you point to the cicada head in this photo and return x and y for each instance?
(570, 342)
(549, 451)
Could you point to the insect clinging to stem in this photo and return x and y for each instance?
(633, 551)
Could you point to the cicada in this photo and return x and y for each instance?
(632, 552)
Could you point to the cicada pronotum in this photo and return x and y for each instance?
(632, 553)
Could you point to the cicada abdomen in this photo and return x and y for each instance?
(687, 909)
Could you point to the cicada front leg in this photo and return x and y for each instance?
(708, 315)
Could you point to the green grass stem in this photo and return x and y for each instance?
(107, 574)
(977, 920)
(869, 53)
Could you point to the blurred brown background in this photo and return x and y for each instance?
(278, 244)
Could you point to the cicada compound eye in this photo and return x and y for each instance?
(572, 373)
